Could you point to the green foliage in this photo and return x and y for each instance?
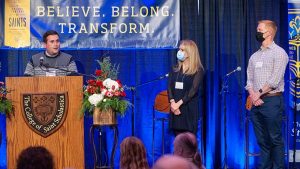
(5, 104)
(108, 70)
(86, 107)
(116, 104)
(6, 107)
(119, 106)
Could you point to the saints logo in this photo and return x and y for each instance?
(294, 48)
(44, 113)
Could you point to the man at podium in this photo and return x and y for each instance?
(51, 62)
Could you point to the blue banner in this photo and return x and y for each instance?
(294, 65)
(106, 24)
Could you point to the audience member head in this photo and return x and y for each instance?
(35, 158)
(133, 154)
(185, 145)
(173, 162)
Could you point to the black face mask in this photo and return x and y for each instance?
(260, 37)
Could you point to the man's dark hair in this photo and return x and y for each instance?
(46, 34)
(35, 158)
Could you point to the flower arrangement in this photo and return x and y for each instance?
(104, 91)
(5, 104)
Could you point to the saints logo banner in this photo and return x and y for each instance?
(44, 113)
(17, 23)
(294, 100)
(105, 23)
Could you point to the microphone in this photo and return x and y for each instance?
(235, 70)
(41, 61)
(153, 80)
(72, 73)
(164, 76)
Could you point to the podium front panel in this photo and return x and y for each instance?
(67, 143)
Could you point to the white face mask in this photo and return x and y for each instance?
(180, 55)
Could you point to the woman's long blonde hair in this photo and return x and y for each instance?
(192, 51)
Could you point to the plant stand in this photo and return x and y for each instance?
(116, 133)
(101, 119)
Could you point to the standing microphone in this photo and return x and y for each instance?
(41, 61)
(235, 70)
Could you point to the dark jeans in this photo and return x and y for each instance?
(267, 122)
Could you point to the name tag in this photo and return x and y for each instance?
(51, 73)
(258, 64)
(179, 85)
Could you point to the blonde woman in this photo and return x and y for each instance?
(184, 82)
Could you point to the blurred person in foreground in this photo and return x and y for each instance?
(173, 162)
(36, 157)
(133, 154)
(185, 145)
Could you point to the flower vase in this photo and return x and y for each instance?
(104, 117)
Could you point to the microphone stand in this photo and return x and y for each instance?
(133, 92)
(224, 92)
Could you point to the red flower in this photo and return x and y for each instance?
(98, 72)
(117, 93)
(99, 83)
(92, 82)
(123, 94)
(91, 89)
(119, 82)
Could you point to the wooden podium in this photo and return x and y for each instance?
(66, 143)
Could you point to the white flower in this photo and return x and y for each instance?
(111, 85)
(106, 81)
(103, 91)
(95, 99)
(104, 100)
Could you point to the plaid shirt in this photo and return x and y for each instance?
(267, 66)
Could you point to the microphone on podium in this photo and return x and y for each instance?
(71, 73)
(235, 70)
(41, 61)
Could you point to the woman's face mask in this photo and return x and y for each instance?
(180, 55)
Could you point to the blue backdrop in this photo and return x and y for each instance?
(225, 34)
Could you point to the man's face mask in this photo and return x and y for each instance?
(260, 37)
